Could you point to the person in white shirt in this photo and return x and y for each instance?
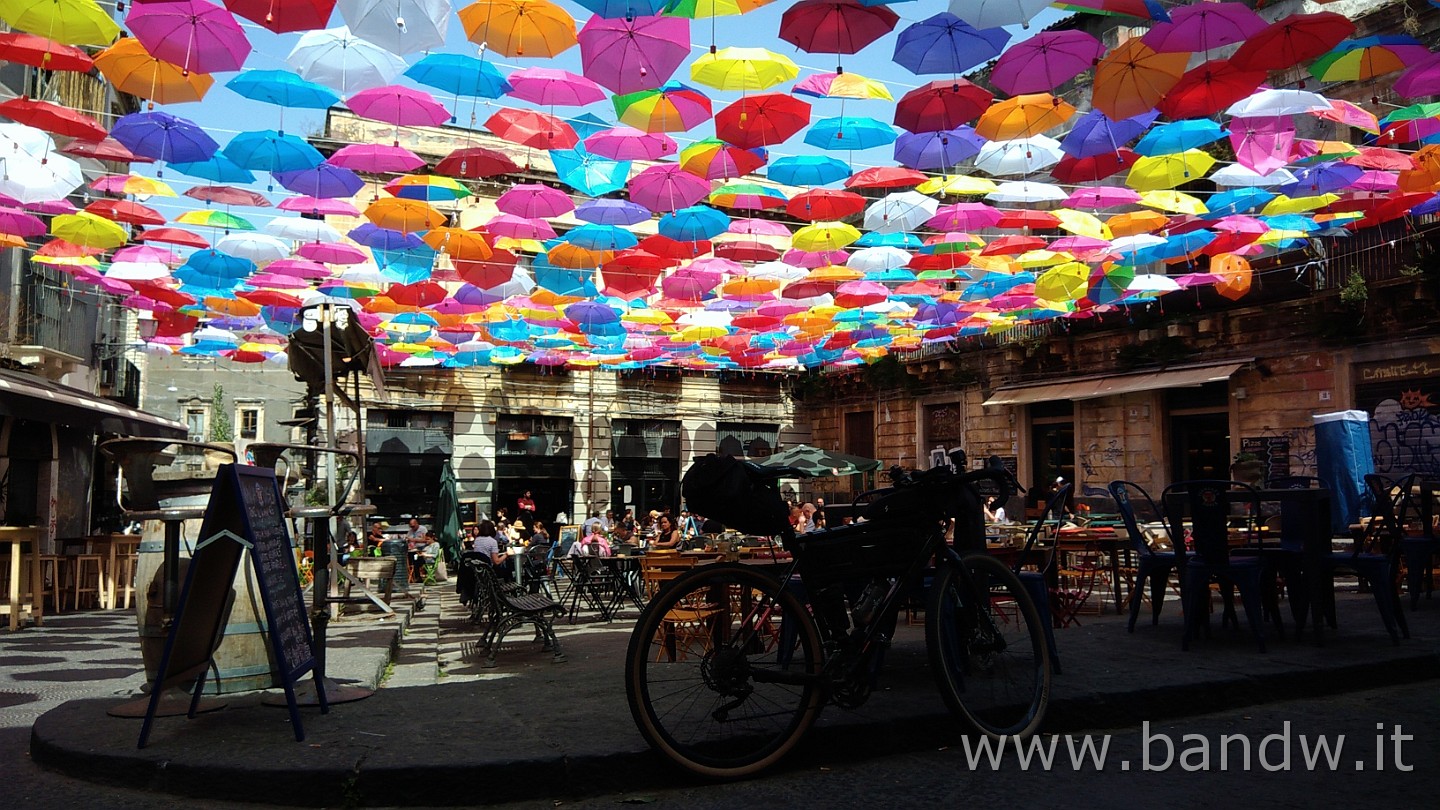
(486, 543)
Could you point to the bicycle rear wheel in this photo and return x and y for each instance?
(987, 647)
(722, 671)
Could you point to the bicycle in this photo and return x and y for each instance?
(730, 664)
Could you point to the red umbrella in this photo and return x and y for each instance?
(1016, 219)
(825, 204)
(269, 298)
(761, 120)
(886, 177)
(104, 149)
(941, 105)
(283, 16)
(227, 195)
(492, 272)
(808, 288)
(1292, 40)
(632, 273)
(419, 294)
(674, 249)
(530, 128)
(52, 118)
(38, 51)
(1082, 170)
(132, 213)
(165, 295)
(938, 261)
(1012, 245)
(173, 236)
(835, 26)
(474, 162)
(1208, 89)
(747, 250)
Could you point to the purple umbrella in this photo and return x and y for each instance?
(514, 227)
(1262, 144)
(1377, 180)
(474, 296)
(629, 143)
(323, 181)
(937, 150)
(1045, 61)
(377, 238)
(640, 53)
(667, 187)
(554, 87)
(607, 211)
(532, 200)
(198, 36)
(163, 136)
(401, 106)
(1098, 197)
(376, 158)
(689, 283)
(945, 43)
(1322, 178)
(1096, 134)
(963, 217)
(1204, 26)
(1420, 79)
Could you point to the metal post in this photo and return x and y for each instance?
(320, 615)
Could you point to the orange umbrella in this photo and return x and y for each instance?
(1132, 78)
(536, 28)
(459, 243)
(1235, 275)
(1023, 116)
(399, 214)
(1136, 222)
(133, 70)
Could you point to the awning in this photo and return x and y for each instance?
(1111, 385)
(36, 399)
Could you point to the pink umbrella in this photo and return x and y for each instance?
(1421, 79)
(1262, 144)
(198, 36)
(689, 284)
(554, 87)
(1080, 244)
(667, 187)
(278, 281)
(146, 253)
(52, 207)
(640, 53)
(298, 268)
(1375, 180)
(318, 206)
(515, 227)
(376, 158)
(401, 106)
(629, 143)
(1352, 115)
(332, 252)
(1240, 224)
(759, 227)
(1098, 197)
(18, 223)
(532, 200)
(1045, 61)
(813, 259)
(963, 217)
(1204, 26)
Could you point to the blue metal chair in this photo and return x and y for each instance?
(1039, 583)
(1152, 566)
(1208, 506)
(1410, 518)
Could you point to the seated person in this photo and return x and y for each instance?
(667, 534)
(539, 535)
(427, 556)
(593, 545)
(485, 543)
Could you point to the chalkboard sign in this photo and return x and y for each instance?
(245, 511)
(469, 512)
(1273, 450)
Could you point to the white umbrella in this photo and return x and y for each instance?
(24, 177)
(520, 283)
(1018, 156)
(1239, 176)
(705, 317)
(1278, 102)
(210, 334)
(398, 26)
(905, 211)
(995, 13)
(342, 61)
(1152, 282)
(299, 229)
(257, 247)
(875, 259)
(25, 138)
(780, 271)
(137, 271)
(1026, 192)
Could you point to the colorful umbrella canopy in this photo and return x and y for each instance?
(197, 35)
(521, 28)
(69, 22)
(630, 55)
(673, 107)
(1045, 61)
(342, 61)
(134, 70)
(945, 43)
(742, 69)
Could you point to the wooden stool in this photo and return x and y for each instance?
(125, 579)
(54, 567)
(88, 578)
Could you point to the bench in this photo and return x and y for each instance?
(507, 607)
(374, 573)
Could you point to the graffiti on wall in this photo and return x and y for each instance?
(1100, 464)
(1401, 398)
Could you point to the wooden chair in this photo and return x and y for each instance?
(89, 579)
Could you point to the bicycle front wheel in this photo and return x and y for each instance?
(987, 647)
(722, 671)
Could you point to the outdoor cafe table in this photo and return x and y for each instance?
(1104, 539)
(17, 537)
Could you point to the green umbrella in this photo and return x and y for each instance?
(447, 513)
(819, 462)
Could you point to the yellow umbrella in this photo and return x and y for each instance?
(88, 230)
(691, 334)
(853, 85)
(1043, 258)
(1297, 205)
(1023, 116)
(647, 317)
(1168, 171)
(536, 28)
(1082, 223)
(133, 70)
(512, 244)
(820, 236)
(993, 264)
(72, 22)
(1277, 235)
(67, 261)
(1175, 201)
(738, 69)
(399, 214)
(835, 272)
(143, 187)
(957, 184)
(1064, 282)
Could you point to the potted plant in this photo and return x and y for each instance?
(1247, 468)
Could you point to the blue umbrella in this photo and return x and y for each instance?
(282, 320)
(163, 136)
(608, 211)
(624, 9)
(1291, 222)
(601, 237)
(1236, 201)
(898, 239)
(1095, 133)
(562, 281)
(587, 124)
(460, 75)
(407, 265)
(283, 88)
(271, 151)
(213, 269)
(1176, 137)
(993, 284)
(847, 132)
(377, 238)
(1322, 178)
(589, 174)
(218, 169)
(937, 150)
(945, 43)
(808, 170)
(1430, 206)
(324, 181)
(694, 224)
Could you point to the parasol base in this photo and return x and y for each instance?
(175, 703)
(334, 693)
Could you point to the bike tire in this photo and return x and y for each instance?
(688, 665)
(987, 647)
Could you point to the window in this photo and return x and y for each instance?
(249, 423)
(751, 439)
(195, 424)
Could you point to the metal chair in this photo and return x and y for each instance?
(1208, 503)
(1152, 566)
(1040, 583)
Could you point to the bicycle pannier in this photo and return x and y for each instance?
(720, 487)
